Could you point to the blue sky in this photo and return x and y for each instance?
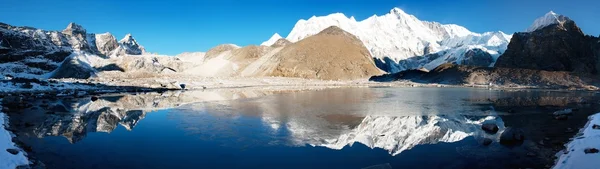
(175, 26)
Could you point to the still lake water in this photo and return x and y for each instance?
(330, 128)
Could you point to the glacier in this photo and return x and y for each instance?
(398, 36)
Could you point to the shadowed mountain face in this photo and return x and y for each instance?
(557, 47)
(504, 77)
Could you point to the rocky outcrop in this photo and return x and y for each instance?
(281, 42)
(559, 46)
(77, 36)
(509, 77)
(73, 68)
(106, 43)
(330, 55)
(30, 52)
(477, 57)
(213, 52)
(129, 46)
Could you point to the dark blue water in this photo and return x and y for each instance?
(333, 128)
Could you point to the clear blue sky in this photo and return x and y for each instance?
(175, 26)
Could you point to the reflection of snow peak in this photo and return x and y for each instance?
(397, 134)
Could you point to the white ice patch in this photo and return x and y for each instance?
(574, 155)
(8, 160)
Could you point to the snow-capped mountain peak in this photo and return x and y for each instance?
(272, 40)
(130, 46)
(549, 19)
(73, 29)
(398, 36)
(399, 12)
(128, 39)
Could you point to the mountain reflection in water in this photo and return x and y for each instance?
(247, 120)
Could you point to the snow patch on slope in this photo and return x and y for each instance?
(272, 40)
(550, 18)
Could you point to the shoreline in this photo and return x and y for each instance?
(76, 87)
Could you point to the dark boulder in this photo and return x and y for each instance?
(487, 141)
(73, 68)
(13, 151)
(512, 136)
(490, 128)
(27, 85)
(590, 150)
(561, 117)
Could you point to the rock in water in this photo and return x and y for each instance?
(182, 86)
(590, 150)
(13, 151)
(379, 166)
(94, 98)
(563, 112)
(561, 117)
(487, 141)
(490, 128)
(512, 136)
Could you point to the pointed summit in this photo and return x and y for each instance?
(131, 46)
(550, 18)
(397, 10)
(74, 29)
(272, 40)
(128, 39)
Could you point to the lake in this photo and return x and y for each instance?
(326, 128)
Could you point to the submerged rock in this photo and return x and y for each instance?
(490, 128)
(512, 136)
(487, 141)
(561, 117)
(591, 150)
(13, 151)
(563, 112)
(379, 166)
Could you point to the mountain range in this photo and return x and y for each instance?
(332, 47)
(400, 41)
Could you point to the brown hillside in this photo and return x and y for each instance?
(331, 54)
(281, 42)
(214, 52)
